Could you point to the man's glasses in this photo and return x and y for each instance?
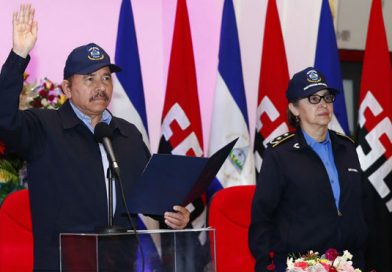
(315, 98)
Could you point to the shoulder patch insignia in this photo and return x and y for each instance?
(345, 137)
(280, 139)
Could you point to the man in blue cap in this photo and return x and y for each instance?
(66, 165)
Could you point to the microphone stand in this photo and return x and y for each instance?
(109, 176)
(110, 228)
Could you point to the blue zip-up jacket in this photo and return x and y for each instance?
(64, 166)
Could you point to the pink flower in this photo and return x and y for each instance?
(346, 267)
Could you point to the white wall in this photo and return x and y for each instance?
(352, 22)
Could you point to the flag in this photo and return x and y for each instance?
(181, 121)
(230, 116)
(181, 126)
(128, 99)
(128, 103)
(327, 61)
(274, 77)
(375, 141)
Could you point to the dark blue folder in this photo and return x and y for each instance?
(170, 180)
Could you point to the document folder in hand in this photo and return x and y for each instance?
(170, 180)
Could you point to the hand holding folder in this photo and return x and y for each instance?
(170, 180)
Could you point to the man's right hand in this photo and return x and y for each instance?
(24, 30)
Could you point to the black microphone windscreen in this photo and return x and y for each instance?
(102, 130)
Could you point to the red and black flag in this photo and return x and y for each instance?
(274, 77)
(181, 121)
(375, 141)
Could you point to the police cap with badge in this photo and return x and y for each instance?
(306, 83)
(87, 59)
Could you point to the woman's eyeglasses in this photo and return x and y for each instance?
(315, 98)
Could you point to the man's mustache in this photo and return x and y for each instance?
(99, 95)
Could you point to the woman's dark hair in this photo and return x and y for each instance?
(292, 120)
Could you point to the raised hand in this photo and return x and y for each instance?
(24, 30)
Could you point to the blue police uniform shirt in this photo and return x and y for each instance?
(106, 118)
(324, 151)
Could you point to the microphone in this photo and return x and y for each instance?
(103, 133)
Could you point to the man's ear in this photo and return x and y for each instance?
(293, 109)
(66, 85)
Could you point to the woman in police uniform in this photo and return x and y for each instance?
(309, 192)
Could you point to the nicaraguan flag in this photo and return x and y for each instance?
(230, 116)
(128, 97)
(327, 61)
(128, 103)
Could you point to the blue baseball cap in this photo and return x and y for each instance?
(305, 83)
(87, 59)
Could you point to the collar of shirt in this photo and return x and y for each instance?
(323, 149)
(313, 143)
(106, 117)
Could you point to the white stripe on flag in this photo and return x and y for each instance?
(122, 107)
(227, 124)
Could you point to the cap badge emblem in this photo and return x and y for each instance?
(94, 53)
(313, 76)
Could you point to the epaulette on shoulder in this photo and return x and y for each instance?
(345, 137)
(280, 139)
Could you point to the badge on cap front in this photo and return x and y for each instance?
(313, 76)
(95, 54)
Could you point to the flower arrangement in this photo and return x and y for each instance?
(328, 262)
(46, 95)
